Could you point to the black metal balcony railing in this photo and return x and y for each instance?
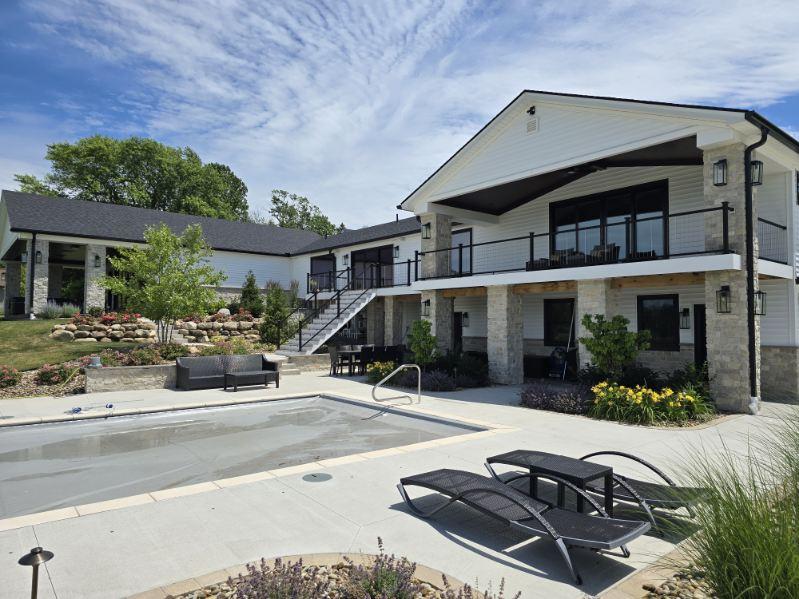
(772, 239)
(366, 276)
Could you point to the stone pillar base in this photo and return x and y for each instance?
(375, 322)
(392, 312)
(592, 298)
(440, 318)
(505, 336)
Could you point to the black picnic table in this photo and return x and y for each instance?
(577, 472)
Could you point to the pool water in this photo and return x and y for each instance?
(48, 466)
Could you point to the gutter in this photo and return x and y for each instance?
(32, 273)
(754, 398)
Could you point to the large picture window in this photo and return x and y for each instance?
(559, 322)
(630, 221)
(660, 315)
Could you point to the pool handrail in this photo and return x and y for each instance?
(395, 371)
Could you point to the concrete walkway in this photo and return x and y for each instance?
(124, 551)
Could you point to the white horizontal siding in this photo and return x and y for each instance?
(625, 303)
(775, 324)
(235, 266)
(565, 135)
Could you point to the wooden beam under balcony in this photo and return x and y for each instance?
(683, 278)
(465, 292)
(549, 287)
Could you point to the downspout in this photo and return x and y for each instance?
(32, 269)
(754, 398)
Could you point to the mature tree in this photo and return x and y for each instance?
(297, 212)
(140, 172)
(167, 278)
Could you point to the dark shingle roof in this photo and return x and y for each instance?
(398, 228)
(77, 218)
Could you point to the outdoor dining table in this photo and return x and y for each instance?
(350, 355)
(577, 472)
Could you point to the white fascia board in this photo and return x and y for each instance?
(582, 273)
(774, 269)
(394, 291)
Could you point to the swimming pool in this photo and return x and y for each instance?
(48, 466)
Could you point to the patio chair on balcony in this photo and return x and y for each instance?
(565, 258)
(666, 495)
(607, 253)
(527, 515)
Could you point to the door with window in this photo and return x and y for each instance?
(660, 315)
(559, 322)
(322, 273)
(461, 253)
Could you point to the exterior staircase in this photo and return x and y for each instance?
(326, 323)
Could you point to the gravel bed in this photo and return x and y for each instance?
(27, 387)
(688, 584)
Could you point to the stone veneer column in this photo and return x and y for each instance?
(392, 312)
(440, 318)
(436, 264)
(13, 281)
(374, 322)
(41, 275)
(30, 259)
(728, 334)
(592, 298)
(94, 294)
(505, 335)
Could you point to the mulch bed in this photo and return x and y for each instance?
(27, 387)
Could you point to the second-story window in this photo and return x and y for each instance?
(461, 259)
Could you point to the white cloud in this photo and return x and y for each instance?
(355, 103)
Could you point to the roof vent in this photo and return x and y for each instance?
(532, 125)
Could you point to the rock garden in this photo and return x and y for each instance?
(106, 328)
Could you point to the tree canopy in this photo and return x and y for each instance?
(168, 278)
(294, 211)
(140, 172)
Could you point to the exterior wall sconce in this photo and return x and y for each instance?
(724, 300)
(23, 257)
(760, 303)
(426, 308)
(396, 252)
(38, 256)
(97, 260)
(757, 172)
(345, 260)
(465, 319)
(720, 172)
(426, 231)
(685, 318)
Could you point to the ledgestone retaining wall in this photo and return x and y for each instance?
(201, 332)
(118, 378)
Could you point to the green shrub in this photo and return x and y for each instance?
(642, 405)
(611, 345)
(691, 377)
(217, 349)
(170, 351)
(556, 396)
(422, 343)
(54, 374)
(50, 311)
(251, 299)
(69, 310)
(747, 546)
(377, 371)
(274, 328)
(9, 376)
(143, 356)
(95, 311)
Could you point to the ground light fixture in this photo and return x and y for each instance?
(426, 308)
(760, 303)
(35, 558)
(724, 300)
(720, 172)
(757, 172)
(685, 318)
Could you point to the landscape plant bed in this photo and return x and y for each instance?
(28, 387)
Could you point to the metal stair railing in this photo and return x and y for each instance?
(395, 371)
(337, 299)
(313, 312)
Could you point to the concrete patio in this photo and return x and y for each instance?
(187, 533)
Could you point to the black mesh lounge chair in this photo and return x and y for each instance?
(528, 515)
(648, 495)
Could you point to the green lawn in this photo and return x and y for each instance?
(25, 344)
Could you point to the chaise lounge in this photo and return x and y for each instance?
(525, 514)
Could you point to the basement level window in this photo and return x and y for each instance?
(660, 315)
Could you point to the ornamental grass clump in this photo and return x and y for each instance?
(747, 545)
(642, 405)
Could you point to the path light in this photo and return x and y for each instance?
(35, 558)
(720, 172)
(724, 300)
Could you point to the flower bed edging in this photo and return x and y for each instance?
(122, 378)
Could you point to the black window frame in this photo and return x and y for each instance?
(602, 197)
(548, 333)
(655, 345)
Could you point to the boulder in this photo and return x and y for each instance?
(58, 327)
(216, 326)
(62, 335)
(81, 335)
(86, 340)
(147, 325)
(130, 326)
(224, 312)
(230, 326)
(204, 326)
(245, 325)
(116, 327)
(115, 335)
(84, 327)
(98, 334)
(235, 333)
(129, 335)
(191, 325)
(128, 340)
(99, 327)
(106, 340)
(71, 327)
(253, 338)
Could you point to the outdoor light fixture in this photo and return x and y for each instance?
(346, 260)
(426, 308)
(685, 318)
(396, 252)
(757, 172)
(465, 319)
(724, 300)
(720, 172)
(23, 257)
(38, 256)
(760, 303)
(426, 231)
(97, 260)
(35, 558)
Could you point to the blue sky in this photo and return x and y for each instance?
(354, 103)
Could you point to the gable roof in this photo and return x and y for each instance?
(398, 228)
(724, 114)
(29, 212)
